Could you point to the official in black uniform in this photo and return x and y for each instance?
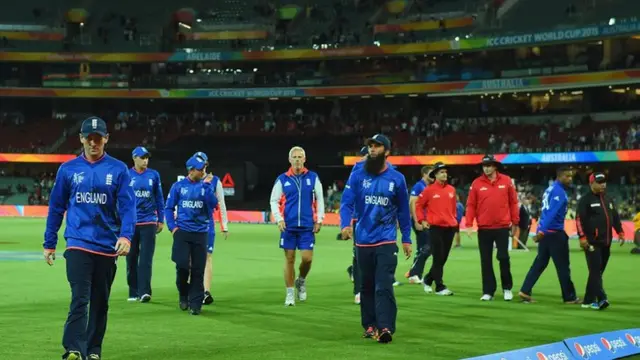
(596, 217)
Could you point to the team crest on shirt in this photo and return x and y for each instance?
(202, 192)
(184, 191)
(109, 179)
(78, 178)
(451, 195)
(308, 182)
(132, 182)
(366, 183)
(150, 182)
(391, 185)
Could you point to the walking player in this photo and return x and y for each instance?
(553, 241)
(493, 202)
(150, 214)
(423, 243)
(94, 189)
(193, 201)
(378, 195)
(299, 221)
(436, 211)
(596, 215)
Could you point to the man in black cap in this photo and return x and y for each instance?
(596, 216)
(493, 203)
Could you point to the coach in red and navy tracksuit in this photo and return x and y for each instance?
(378, 195)
(95, 192)
(150, 213)
(300, 219)
(553, 241)
(436, 211)
(493, 203)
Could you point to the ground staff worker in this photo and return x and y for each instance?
(94, 189)
(436, 211)
(193, 201)
(378, 195)
(493, 203)
(423, 241)
(553, 241)
(596, 215)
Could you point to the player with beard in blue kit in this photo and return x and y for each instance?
(378, 195)
(94, 190)
(150, 213)
(193, 201)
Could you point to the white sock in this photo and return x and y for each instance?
(290, 291)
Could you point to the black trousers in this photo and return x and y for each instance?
(596, 262)
(90, 277)
(140, 260)
(441, 241)
(553, 246)
(189, 252)
(423, 244)
(377, 299)
(486, 239)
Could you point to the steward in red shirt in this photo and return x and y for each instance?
(438, 200)
(493, 202)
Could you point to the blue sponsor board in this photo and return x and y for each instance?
(605, 346)
(554, 351)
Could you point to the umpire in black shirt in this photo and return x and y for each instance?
(596, 216)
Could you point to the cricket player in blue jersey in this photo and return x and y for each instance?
(459, 216)
(423, 241)
(150, 214)
(211, 236)
(553, 241)
(378, 195)
(94, 190)
(298, 221)
(193, 200)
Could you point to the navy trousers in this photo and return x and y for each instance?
(90, 277)
(189, 253)
(356, 272)
(423, 244)
(140, 260)
(377, 270)
(553, 246)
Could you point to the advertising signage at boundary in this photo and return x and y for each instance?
(455, 88)
(584, 157)
(461, 45)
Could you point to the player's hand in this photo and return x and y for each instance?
(174, 231)
(123, 246)
(418, 226)
(282, 226)
(49, 256)
(538, 237)
(159, 227)
(316, 227)
(584, 244)
(225, 234)
(208, 178)
(468, 229)
(621, 238)
(347, 233)
(425, 225)
(407, 250)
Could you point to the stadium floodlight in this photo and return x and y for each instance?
(612, 21)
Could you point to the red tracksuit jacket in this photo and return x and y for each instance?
(494, 205)
(439, 202)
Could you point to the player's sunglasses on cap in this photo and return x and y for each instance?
(490, 160)
(93, 125)
(364, 151)
(437, 167)
(196, 162)
(202, 156)
(140, 151)
(599, 178)
(379, 139)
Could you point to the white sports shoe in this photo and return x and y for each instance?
(508, 295)
(414, 280)
(290, 300)
(428, 289)
(486, 297)
(356, 300)
(301, 289)
(444, 292)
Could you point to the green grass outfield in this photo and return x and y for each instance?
(249, 321)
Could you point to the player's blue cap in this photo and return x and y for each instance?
(380, 139)
(202, 155)
(93, 125)
(364, 151)
(196, 162)
(140, 151)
